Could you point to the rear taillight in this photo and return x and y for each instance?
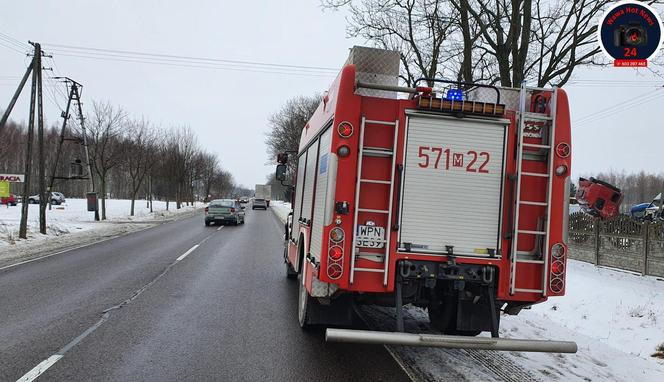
(557, 269)
(335, 254)
(206, 209)
(232, 209)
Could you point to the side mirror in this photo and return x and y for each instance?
(281, 172)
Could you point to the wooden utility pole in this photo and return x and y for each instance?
(16, 94)
(40, 140)
(23, 226)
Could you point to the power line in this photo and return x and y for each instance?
(187, 58)
(619, 107)
(200, 66)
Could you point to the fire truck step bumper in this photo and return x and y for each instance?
(449, 342)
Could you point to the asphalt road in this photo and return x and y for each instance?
(135, 308)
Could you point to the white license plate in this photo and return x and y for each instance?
(368, 236)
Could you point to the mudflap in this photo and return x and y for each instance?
(474, 316)
(332, 312)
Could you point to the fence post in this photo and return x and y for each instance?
(596, 226)
(646, 244)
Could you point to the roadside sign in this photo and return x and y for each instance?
(12, 178)
(4, 189)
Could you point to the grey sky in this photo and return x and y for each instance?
(229, 108)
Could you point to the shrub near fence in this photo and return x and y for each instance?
(621, 242)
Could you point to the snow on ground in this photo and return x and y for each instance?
(616, 318)
(282, 209)
(71, 224)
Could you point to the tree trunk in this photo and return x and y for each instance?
(103, 197)
(133, 201)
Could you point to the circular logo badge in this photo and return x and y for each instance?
(631, 34)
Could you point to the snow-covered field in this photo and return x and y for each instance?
(616, 318)
(71, 224)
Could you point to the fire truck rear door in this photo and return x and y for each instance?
(452, 185)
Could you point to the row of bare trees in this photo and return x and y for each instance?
(130, 158)
(502, 42)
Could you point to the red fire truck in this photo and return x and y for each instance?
(447, 195)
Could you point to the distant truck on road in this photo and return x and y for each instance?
(264, 191)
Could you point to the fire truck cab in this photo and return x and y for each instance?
(446, 195)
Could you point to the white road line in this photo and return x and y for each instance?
(47, 363)
(182, 256)
(219, 229)
(40, 369)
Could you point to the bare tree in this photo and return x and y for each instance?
(286, 126)
(505, 42)
(105, 126)
(139, 153)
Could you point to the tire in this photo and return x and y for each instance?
(32, 201)
(290, 272)
(207, 223)
(304, 305)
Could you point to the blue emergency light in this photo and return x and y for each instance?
(454, 95)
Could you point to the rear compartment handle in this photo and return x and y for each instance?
(395, 225)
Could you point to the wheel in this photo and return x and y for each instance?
(304, 304)
(207, 223)
(290, 272)
(243, 220)
(32, 201)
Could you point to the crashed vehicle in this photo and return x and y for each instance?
(599, 198)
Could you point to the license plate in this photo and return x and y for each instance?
(368, 236)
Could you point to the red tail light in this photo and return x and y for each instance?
(557, 276)
(335, 253)
(232, 209)
(206, 209)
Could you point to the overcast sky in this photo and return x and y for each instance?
(229, 108)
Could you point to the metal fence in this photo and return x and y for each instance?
(621, 242)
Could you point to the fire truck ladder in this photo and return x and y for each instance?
(375, 152)
(541, 232)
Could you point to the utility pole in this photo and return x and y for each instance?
(75, 90)
(65, 118)
(16, 94)
(40, 139)
(23, 226)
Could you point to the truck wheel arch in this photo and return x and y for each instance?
(301, 250)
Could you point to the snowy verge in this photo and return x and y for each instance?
(616, 318)
(70, 225)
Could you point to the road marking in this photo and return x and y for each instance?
(219, 229)
(50, 361)
(40, 369)
(182, 256)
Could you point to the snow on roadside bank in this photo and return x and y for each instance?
(616, 318)
(71, 224)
